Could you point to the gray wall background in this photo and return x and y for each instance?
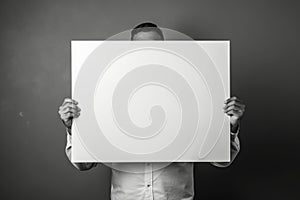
(35, 77)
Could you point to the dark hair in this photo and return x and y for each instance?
(146, 27)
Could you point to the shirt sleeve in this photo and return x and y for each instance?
(68, 151)
(234, 150)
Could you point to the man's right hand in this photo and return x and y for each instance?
(67, 111)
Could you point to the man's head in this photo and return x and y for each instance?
(146, 31)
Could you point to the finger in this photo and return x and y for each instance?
(68, 100)
(66, 117)
(234, 102)
(75, 115)
(233, 112)
(69, 105)
(63, 116)
(234, 108)
(230, 98)
(233, 98)
(69, 115)
(69, 110)
(66, 109)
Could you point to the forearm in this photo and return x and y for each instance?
(234, 150)
(234, 147)
(79, 166)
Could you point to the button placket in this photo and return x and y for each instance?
(148, 180)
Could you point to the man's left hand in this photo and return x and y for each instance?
(234, 108)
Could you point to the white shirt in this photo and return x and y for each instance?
(173, 182)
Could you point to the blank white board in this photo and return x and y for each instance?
(150, 101)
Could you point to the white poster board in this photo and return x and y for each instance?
(151, 101)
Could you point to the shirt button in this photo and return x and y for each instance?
(148, 185)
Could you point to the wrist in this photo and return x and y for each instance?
(235, 126)
(67, 126)
(68, 129)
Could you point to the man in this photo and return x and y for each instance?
(174, 181)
